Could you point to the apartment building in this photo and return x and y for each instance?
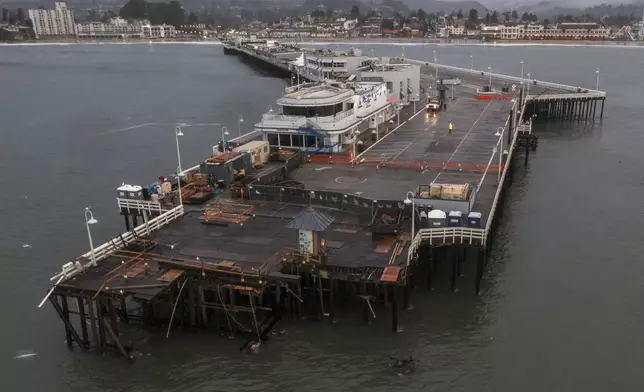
(53, 22)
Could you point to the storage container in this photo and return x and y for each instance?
(121, 192)
(436, 218)
(135, 192)
(166, 188)
(435, 190)
(474, 220)
(455, 219)
(258, 149)
(454, 191)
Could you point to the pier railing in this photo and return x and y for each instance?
(101, 252)
(509, 78)
(140, 205)
(446, 235)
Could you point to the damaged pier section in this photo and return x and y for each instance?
(300, 233)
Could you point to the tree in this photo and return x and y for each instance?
(524, 17)
(5, 14)
(329, 14)
(487, 18)
(494, 18)
(355, 12)
(515, 16)
(20, 15)
(421, 15)
(193, 18)
(459, 15)
(545, 23)
(134, 9)
(317, 13)
(473, 16)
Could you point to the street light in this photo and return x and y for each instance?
(89, 220)
(597, 85)
(489, 71)
(471, 62)
(528, 81)
(499, 144)
(521, 69)
(179, 185)
(410, 199)
(224, 133)
(240, 120)
(356, 133)
(177, 133)
(436, 65)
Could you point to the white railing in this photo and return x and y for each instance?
(549, 97)
(462, 235)
(141, 205)
(515, 79)
(247, 137)
(101, 252)
(349, 115)
(283, 120)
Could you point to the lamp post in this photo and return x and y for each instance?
(224, 133)
(489, 71)
(378, 117)
(471, 62)
(499, 146)
(436, 66)
(521, 69)
(89, 220)
(597, 85)
(177, 133)
(356, 133)
(528, 81)
(410, 199)
(240, 120)
(179, 185)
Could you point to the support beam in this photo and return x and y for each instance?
(601, 114)
(127, 222)
(115, 338)
(394, 309)
(69, 328)
(204, 310)
(83, 320)
(124, 316)
(479, 269)
(93, 320)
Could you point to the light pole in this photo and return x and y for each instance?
(177, 133)
(356, 133)
(436, 66)
(224, 133)
(489, 71)
(240, 120)
(499, 146)
(471, 63)
(528, 81)
(89, 220)
(597, 85)
(411, 199)
(521, 69)
(179, 185)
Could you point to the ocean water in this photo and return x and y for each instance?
(561, 303)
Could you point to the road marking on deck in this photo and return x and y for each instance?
(463, 140)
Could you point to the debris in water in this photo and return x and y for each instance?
(25, 354)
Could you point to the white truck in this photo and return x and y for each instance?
(433, 105)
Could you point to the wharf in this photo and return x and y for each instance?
(235, 264)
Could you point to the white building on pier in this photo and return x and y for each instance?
(325, 116)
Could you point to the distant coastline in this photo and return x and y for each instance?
(340, 41)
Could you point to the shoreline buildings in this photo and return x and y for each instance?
(53, 22)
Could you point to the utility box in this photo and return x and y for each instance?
(436, 218)
(135, 192)
(455, 219)
(121, 192)
(474, 220)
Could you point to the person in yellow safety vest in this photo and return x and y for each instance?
(450, 127)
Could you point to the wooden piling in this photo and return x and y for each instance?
(93, 320)
(68, 328)
(601, 114)
(191, 305)
(112, 313)
(394, 309)
(454, 271)
(201, 298)
(100, 307)
(83, 320)
(124, 316)
(479, 269)
(127, 222)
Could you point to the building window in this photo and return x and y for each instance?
(311, 141)
(285, 140)
(273, 139)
